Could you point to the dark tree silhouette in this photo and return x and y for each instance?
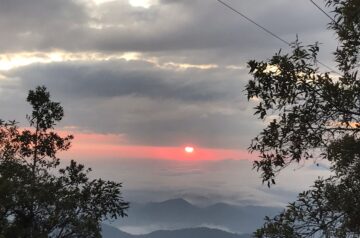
(317, 115)
(35, 200)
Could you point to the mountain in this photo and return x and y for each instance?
(111, 232)
(179, 214)
(194, 233)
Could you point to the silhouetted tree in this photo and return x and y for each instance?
(36, 198)
(314, 115)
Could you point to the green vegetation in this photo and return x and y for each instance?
(37, 199)
(317, 115)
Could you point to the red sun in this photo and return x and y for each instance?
(189, 149)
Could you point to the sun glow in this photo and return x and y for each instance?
(117, 146)
(99, 2)
(189, 149)
(21, 59)
(141, 3)
(11, 61)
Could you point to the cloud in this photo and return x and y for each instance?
(117, 26)
(183, 84)
(231, 181)
(151, 105)
(122, 78)
(35, 24)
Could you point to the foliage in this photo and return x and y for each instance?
(331, 207)
(313, 114)
(37, 201)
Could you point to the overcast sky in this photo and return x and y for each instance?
(141, 79)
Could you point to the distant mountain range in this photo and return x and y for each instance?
(111, 232)
(179, 214)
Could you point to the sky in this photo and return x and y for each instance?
(141, 79)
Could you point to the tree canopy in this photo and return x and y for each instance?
(37, 197)
(313, 115)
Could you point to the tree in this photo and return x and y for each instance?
(37, 199)
(317, 115)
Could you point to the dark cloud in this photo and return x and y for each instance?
(150, 105)
(167, 27)
(207, 25)
(39, 24)
(121, 78)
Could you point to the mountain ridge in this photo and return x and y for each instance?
(179, 213)
(199, 232)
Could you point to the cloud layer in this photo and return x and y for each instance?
(165, 75)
